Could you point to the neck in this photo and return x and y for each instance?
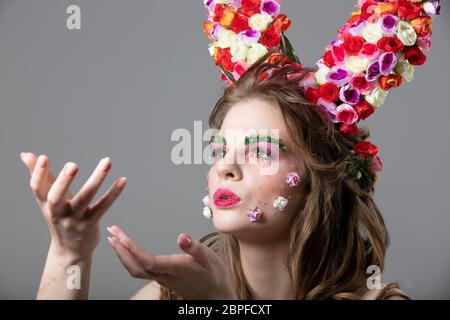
(264, 269)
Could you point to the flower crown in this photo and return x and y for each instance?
(376, 50)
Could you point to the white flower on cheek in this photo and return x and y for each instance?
(280, 203)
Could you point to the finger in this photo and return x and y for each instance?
(38, 181)
(56, 197)
(151, 263)
(127, 260)
(202, 254)
(107, 200)
(30, 159)
(82, 199)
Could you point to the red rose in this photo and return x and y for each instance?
(415, 56)
(218, 12)
(312, 95)
(366, 148)
(328, 59)
(368, 9)
(252, 5)
(353, 44)
(339, 53)
(409, 10)
(364, 109)
(369, 49)
(270, 38)
(390, 44)
(360, 83)
(239, 23)
(328, 91)
(224, 59)
(349, 129)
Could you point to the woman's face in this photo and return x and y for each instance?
(258, 177)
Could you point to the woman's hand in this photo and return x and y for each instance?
(198, 274)
(73, 223)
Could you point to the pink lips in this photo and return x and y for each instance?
(225, 198)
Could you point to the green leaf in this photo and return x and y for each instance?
(288, 49)
(228, 74)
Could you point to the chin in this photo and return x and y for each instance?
(229, 221)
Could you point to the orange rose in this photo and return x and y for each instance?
(390, 81)
(422, 25)
(282, 23)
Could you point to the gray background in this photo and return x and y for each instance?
(140, 69)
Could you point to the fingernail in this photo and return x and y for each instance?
(22, 155)
(186, 241)
(42, 161)
(70, 169)
(106, 164)
(110, 240)
(109, 229)
(122, 182)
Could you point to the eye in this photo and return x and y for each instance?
(259, 153)
(218, 153)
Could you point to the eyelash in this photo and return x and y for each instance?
(267, 153)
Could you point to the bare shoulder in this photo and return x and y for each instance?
(371, 294)
(151, 291)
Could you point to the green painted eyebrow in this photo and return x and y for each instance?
(269, 139)
(218, 138)
(252, 139)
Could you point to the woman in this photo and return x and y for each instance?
(314, 248)
(308, 230)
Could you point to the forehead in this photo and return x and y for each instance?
(254, 116)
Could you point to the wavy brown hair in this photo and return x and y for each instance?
(339, 230)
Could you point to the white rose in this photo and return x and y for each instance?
(226, 38)
(406, 33)
(238, 51)
(405, 69)
(377, 97)
(355, 64)
(212, 48)
(372, 32)
(260, 22)
(321, 74)
(207, 212)
(255, 52)
(280, 203)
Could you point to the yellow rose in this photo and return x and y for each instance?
(406, 33)
(260, 22)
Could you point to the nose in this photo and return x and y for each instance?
(228, 168)
(229, 171)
